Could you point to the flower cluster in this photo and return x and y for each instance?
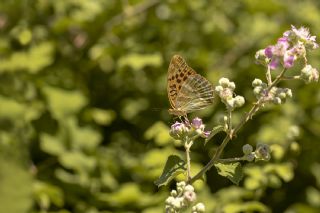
(275, 95)
(262, 152)
(309, 74)
(225, 90)
(182, 198)
(181, 130)
(291, 46)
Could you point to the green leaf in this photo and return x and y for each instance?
(34, 60)
(83, 137)
(15, 187)
(77, 161)
(174, 166)
(52, 144)
(47, 194)
(251, 206)
(159, 132)
(232, 171)
(214, 131)
(101, 116)
(139, 61)
(64, 102)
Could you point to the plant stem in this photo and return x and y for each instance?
(226, 140)
(296, 77)
(268, 75)
(230, 160)
(229, 123)
(187, 146)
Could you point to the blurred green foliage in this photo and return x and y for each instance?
(83, 104)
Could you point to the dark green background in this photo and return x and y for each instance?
(83, 104)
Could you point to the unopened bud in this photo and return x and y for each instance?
(289, 93)
(232, 85)
(239, 101)
(257, 90)
(250, 157)
(218, 89)
(309, 74)
(262, 152)
(173, 193)
(189, 188)
(256, 82)
(277, 100)
(247, 149)
(224, 82)
(198, 208)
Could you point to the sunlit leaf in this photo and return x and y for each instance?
(174, 166)
(47, 194)
(52, 144)
(313, 196)
(252, 206)
(63, 102)
(101, 116)
(34, 60)
(82, 137)
(232, 171)
(138, 61)
(159, 132)
(15, 187)
(77, 161)
(283, 170)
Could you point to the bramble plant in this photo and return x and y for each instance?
(278, 59)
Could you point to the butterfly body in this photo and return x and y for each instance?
(187, 90)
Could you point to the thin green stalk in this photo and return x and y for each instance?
(230, 160)
(187, 146)
(268, 75)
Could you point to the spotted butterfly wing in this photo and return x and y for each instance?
(187, 90)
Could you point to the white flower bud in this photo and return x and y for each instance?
(181, 184)
(189, 188)
(277, 100)
(174, 193)
(247, 149)
(177, 203)
(309, 74)
(239, 101)
(218, 89)
(260, 57)
(232, 85)
(200, 207)
(282, 95)
(170, 200)
(250, 157)
(289, 93)
(224, 82)
(256, 82)
(257, 90)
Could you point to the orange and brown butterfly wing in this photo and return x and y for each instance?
(196, 93)
(178, 73)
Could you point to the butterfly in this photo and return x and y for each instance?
(187, 90)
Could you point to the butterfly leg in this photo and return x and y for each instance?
(186, 120)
